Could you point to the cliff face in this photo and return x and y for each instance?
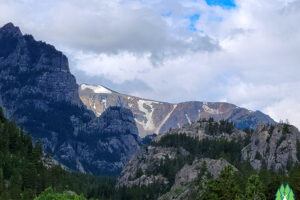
(158, 117)
(273, 146)
(39, 93)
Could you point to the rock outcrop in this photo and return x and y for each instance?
(39, 93)
(158, 117)
(273, 147)
(146, 160)
(185, 178)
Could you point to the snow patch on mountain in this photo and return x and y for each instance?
(189, 120)
(165, 119)
(97, 89)
(148, 125)
(209, 110)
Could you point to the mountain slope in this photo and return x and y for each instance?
(39, 93)
(158, 117)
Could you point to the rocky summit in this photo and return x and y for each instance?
(38, 92)
(158, 117)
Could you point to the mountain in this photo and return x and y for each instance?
(158, 117)
(188, 160)
(38, 92)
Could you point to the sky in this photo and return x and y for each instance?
(244, 52)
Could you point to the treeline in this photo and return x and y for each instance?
(217, 127)
(206, 148)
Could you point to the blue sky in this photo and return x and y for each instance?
(222, 3)
(193, 19)
(244, 52)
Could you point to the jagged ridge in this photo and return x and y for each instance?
(158, 117)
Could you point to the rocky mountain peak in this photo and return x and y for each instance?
(10, 28)
(38, 92)
(158, 117)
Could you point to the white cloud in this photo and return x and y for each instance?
(109, 27)
(148, 43)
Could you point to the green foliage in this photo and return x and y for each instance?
(206, 148)
(49, 194)
(225, 187)
(222, 126)
(286, 128)
(254, 188)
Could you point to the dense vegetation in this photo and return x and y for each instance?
(215, 127)
(49, 194)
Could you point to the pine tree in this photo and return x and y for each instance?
(223, 188)
(254, 188)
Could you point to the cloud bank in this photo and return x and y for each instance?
(246, 52)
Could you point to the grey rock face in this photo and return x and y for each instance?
(146, 159)
(274, 146)
(158, 117)
(39, 93)
(183, 185)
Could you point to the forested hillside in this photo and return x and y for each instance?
(25, 173)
